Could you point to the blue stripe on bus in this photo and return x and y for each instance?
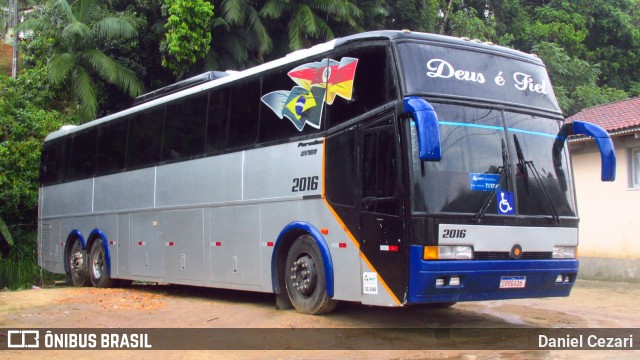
(105, 246)
(500, 128)
(322, 245)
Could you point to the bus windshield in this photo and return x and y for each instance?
(477, 144)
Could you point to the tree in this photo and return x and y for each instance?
(247, 33)
(575, 80)
(308, 20)
(28, 112)
(188, 37)
(78, 30)
(241, 36)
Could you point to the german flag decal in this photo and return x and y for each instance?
(318, 82)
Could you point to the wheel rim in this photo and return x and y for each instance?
(97, 264)
(304, 275)
(76, 262)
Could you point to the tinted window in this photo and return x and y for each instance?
(218, 120)
(373, 85)
(302, 103)
(379, 170)
(49, 163)
(342, 173)
(537, 172)
(145, 138)
(112, 147)
(82, 155)
(473, 149)
(184, 129)
(244, 107)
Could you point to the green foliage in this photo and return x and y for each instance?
(247, 33)
(20, 270)
(575, 80)
(27, 114)
(188, 36)
(77, 30)
(466, 23)
(562, 25)
(588, 96)
(308, 19)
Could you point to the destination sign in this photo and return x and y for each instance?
(448, 71)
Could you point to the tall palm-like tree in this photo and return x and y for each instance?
(309, 20)
(80, 29)
(240, 37)
(247, 32)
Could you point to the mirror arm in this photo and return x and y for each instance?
(428, 130)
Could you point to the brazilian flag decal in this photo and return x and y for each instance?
(317, 83)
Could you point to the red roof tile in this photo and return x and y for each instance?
(615, 116)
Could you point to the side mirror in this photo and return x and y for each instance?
(427, 127)
(602, 139)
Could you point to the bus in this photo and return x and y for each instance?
(389, 168)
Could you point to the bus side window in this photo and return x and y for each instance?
(272, 127)
(341, 168)
(373, 85)
(184, 128)
(112, 147)
(379, 170)
(244, 113)
(82, 155)
(217, 121)
(145, 138)
(49, 163)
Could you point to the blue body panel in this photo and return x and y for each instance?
(480, 279)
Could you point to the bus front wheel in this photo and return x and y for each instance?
(98, 266)
(305, 278)
(78, 269)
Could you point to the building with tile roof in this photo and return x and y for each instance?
(617, 118)
(609, 212)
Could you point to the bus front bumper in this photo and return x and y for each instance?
(436, 281)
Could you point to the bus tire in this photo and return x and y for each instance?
(305, 278)
(78, 265)
(98, 266)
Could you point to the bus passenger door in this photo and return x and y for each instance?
(381, 225)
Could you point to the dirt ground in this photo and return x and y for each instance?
(591, 305)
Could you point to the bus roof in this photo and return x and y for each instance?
(389, 35)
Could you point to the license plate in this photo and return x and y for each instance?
(513, 282)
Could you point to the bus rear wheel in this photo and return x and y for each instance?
(78, 269)
(305, 278)
(98, 266)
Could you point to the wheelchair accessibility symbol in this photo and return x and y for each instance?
(505, 202)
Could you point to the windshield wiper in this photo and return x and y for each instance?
(523, 164)
(504, 170)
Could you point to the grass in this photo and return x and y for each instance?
(20, 269)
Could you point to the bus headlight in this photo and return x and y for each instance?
(564, 252)
(448, 253)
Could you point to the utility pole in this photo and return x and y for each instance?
(14, 64)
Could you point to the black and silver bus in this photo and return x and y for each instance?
(388, 168)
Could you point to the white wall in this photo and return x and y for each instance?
(609, 212)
